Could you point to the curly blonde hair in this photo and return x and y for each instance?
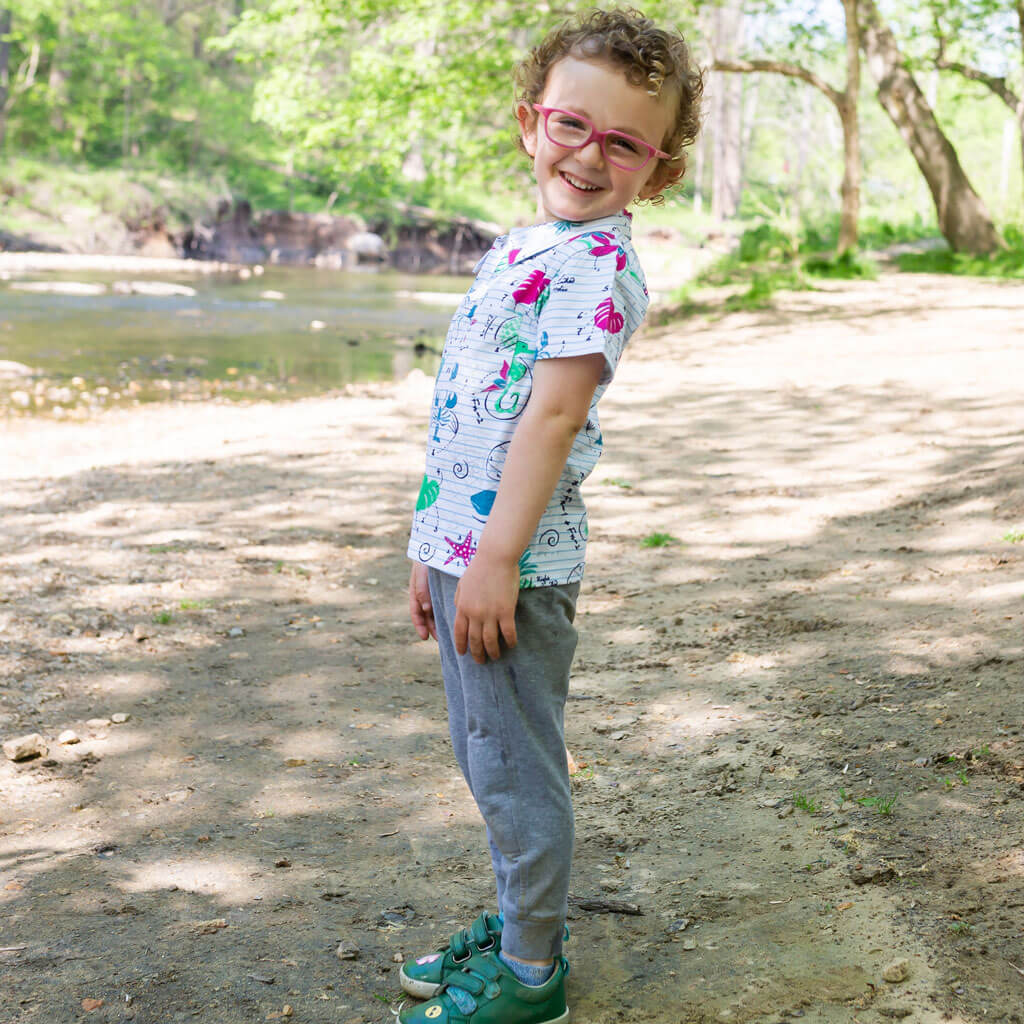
(649, 56)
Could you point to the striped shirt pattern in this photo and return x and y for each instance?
(548, 291)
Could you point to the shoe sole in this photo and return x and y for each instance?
(420, 989)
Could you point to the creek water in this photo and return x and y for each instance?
(291, 331)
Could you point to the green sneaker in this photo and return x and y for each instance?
(422, 976)
(493, 995)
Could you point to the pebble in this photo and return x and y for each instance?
(316, 325)
(236, 631)
(921, 762)
(68, 736)
(877, 873)
(690, 944)
(23, 747)
(397, 958)
(140, 633)
(120, 717)
(346, 951)
(98, 723)
(897, 971)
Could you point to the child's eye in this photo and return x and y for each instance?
(624, 145)
(573, 124)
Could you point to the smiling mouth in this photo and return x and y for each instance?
(578, 183)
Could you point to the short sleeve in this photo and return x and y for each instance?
(595, 303)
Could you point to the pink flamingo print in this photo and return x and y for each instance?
(608, 317)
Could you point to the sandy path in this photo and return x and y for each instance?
(840, 617)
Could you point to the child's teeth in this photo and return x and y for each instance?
(580, 184)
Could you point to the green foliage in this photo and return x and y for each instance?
(1014, 536)
(1007, 264)
(848, 266)
(659, 540)
(802, 802)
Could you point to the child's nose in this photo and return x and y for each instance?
(591, 154)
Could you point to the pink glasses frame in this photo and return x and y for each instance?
(600, 136)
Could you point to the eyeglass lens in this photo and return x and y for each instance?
(572, 132)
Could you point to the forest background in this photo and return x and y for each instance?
(158, 109)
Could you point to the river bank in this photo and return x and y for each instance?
(797, 721)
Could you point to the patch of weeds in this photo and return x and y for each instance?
(614, 481)
(294, 570)
(1007, 264)
(163, 618)
(851, 265)
(763, 285)
(659, 540)
(166, 549)
(802, 802)
(1014, 537)
(984, 751)
(962, 776)
(948, 782)
(187, 604)
(961, 928)
(882, 804)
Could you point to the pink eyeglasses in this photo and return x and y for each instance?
(574, 131)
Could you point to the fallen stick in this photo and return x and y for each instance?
(605, 906)
(12, 949)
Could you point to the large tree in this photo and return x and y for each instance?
(963, 219)
(845, 102)
(978, 39)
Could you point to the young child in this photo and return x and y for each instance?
(605, 106)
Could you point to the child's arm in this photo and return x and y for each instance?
(485, 599)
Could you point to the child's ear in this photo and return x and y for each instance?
(664, 174)
(527, 119)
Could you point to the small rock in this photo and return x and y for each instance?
(24, 747)
(895, 1012)
(236, 631)
(316, 325)
(621, 734)
(897, 971)
(295, 762)
(397, 958)
(270, 293)
(877, 873)
(690, 944)
(346, 951)
(98, 723)
(677, 926)
(921, 762)
(178, 796)
(91, 1004)
(786, 811)
(120, 717)
(282, 862)
(21, 399)
(140, 633)
(68, 736)
(266, 979)
(208, 927)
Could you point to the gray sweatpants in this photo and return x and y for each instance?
(506, 724)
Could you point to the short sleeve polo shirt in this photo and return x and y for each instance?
(548, 291)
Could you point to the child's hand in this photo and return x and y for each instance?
(421, 610)
(485, 608)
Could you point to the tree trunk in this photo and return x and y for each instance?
(726, 113)
(5, 73)
(850, 211)
(963, 219)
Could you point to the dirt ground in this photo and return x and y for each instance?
(834, 633)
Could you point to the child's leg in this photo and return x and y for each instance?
(506, 721)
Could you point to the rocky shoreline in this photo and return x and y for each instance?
(414, 239)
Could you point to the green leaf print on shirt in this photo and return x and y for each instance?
(527, 568)
(429, 490)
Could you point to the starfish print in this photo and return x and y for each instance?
(464, 550)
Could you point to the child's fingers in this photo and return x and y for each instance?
(491, 640)
(461, 632)
(508, 629)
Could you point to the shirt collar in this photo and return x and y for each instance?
(537, 238)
